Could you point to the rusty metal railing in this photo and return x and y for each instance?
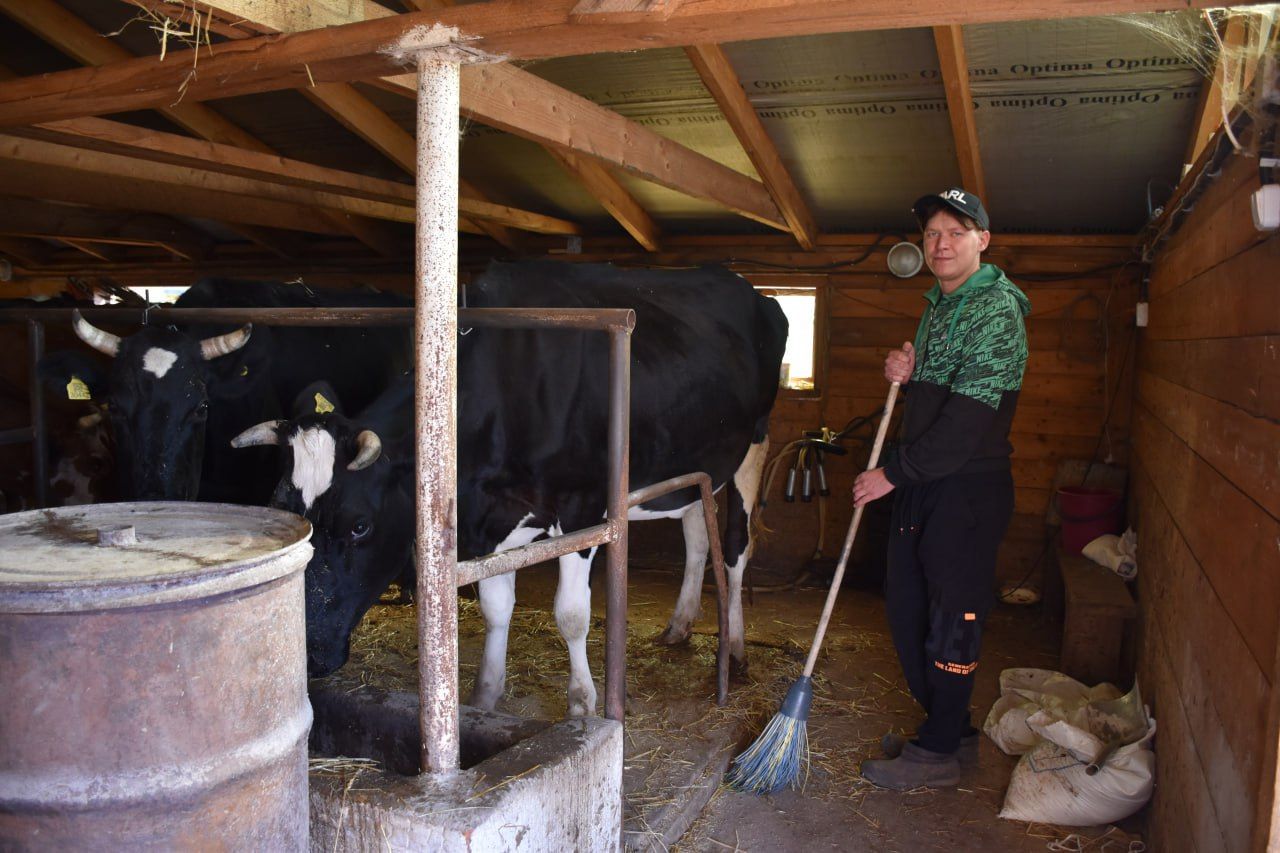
(612, 534)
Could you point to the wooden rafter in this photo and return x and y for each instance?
(60, 222)
(84, 44)
(87, 46)
(621, 11)
(509, 99)
(28, 253)
(1226, 73)
(722, 81)
(500, 96)
(621, 205)
(518, 29)
(363, 118)
(341, 101)
(954, 65)
(111, 148)
(427, 5)
(121, 192)
(89, 248)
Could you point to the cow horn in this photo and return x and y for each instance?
(255, 436)
(370, 448)
(104, 342)
(213, 347)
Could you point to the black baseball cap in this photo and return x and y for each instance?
(961, 201)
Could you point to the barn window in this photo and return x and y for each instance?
(154, 294)
(800, 364)
(162, 294)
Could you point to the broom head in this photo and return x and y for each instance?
(777, 757)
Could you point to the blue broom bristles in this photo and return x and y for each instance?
(777, 757)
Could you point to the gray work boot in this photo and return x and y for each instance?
(913, 768)
(892, 743)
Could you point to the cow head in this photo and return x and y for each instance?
(360, 505)
(158, 393)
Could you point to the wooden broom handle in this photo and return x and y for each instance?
(848, 539)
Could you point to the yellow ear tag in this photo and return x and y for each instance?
(323, 406)
(77, 390)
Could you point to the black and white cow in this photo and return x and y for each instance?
(175, 397)
(532, 418)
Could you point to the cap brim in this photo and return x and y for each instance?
(934, 198)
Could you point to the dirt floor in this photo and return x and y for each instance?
(677, 742)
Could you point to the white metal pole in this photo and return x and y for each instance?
(435, 333)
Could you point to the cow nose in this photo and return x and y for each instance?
(322, 662)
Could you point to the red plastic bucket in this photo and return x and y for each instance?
(1087, 513)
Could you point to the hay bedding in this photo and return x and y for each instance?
(671, 713)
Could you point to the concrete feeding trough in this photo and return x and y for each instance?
(523, 784)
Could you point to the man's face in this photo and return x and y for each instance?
(951, 249)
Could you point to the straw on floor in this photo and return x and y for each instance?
(781, 754)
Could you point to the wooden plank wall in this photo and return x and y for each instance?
(1080, 338)
(1206, 428)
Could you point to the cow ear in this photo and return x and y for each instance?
(73, 375)
(318, 398)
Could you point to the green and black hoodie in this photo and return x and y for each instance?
(971, 351)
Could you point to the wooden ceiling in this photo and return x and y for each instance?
(170, 178)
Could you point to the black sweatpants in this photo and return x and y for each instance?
(939, 589)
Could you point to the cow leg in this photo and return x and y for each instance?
(497, 600)
(741, 492)
(689, 604)
(573, 615)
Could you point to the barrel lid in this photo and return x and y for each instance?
(132, 554)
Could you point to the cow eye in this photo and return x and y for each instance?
(360, 530)
(202, 410)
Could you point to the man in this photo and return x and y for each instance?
(953, 491)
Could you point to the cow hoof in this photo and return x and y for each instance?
(485, 700)
(582, 706)
(672, 637)
(737, 669)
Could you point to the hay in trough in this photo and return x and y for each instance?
(672, 723)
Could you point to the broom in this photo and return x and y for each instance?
(777, 756)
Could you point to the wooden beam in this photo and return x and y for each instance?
(621, 205)
(506, 28)
(521, 103)
(621, 11)
(80, 41)
(362, 117)
(27, 253)
(509, 99)
(722, 81)
(114, 191)
(27, 218)
(1226, 72)
(519, 29)
(88, 248)
(427, 5)
(159, 156)
(954, 64)
(86, 45)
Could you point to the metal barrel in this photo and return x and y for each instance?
(153, 678)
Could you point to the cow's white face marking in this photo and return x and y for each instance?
(313, 456)
(158, 361)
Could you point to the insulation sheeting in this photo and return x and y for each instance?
(1075, 119)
